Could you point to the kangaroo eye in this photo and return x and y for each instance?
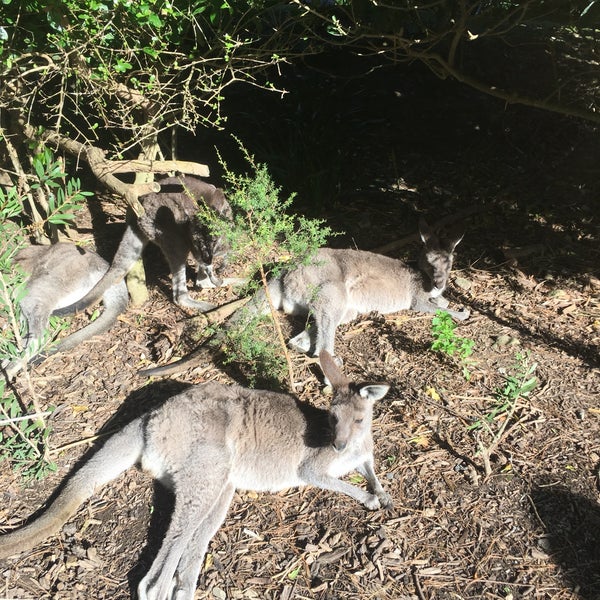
(358, 421)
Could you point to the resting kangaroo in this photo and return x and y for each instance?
(171, 222)
(57, 276)
(339, 285)
(211, 440)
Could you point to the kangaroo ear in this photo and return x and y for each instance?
(427, 235)
(374, 392)
(454, 236)
(331, 370)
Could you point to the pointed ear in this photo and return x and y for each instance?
(374, 392)
(428, 237)
(454, 236)
(331, 371)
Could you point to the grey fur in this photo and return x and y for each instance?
(213, 439)
(57, 275)
(171, 222)
(339, 285)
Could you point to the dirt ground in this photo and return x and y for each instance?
(527, 185)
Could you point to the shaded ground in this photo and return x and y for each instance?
(527, 268)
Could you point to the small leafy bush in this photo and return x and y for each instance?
(254, 348)
(24, 432)
(445, 339)
(501, 414)
(267, 238)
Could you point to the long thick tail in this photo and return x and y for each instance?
(115, 301)
(121, 451)
(253, 305)
(129, 250)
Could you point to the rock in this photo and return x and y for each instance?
(462, 283)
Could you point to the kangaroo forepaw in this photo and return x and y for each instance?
(372, 502)
(463, 314)
(440, 302)
(385, 500)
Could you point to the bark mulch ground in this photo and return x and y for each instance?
(527, 528)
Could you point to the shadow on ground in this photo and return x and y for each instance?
(571, 536)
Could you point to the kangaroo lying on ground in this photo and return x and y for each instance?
(339, 285)
(58, 275)
(213, 439)
(171, 222)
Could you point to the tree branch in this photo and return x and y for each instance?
(103, 168)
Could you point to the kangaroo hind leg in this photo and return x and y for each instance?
(196, 496)
(329, 311)
(176, 253)
(190, 564)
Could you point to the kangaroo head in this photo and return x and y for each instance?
(438, 255)
(206, 246)
(351, 409)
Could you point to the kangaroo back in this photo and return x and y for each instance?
(59, 274)
(120, 452)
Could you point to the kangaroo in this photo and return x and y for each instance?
(213, 439)
(339, 285)
(57, 275)
(171, 222)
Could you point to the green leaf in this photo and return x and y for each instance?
(154, 20)
(529, 385)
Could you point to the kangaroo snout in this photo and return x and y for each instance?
(339, 445)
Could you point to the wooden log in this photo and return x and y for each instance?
(156, 166)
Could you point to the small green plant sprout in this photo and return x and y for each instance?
(267, 238)
(493, 426)
(24, 436)
(445, 339)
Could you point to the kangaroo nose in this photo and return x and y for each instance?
(339, 446)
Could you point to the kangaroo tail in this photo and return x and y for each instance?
(192, 359)
(121, 451)
(115, 301)
(129, 250)
(196, 356)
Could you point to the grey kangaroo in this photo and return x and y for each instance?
(57, 276)
(171, 222)
(213, 439)
(339, 285)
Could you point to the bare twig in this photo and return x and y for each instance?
(103, 168)
(277, 325)
(29, 417)
(81, 442)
